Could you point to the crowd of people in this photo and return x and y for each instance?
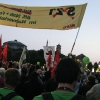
(31, 82)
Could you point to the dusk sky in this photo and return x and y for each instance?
(88, 40)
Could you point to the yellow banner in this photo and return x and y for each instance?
(61, 18)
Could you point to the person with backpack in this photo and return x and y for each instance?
(12, 78)
(67, 74)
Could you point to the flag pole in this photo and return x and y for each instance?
(76, 35)
(75, 40)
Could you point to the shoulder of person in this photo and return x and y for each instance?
(39, 97)
(96, 85)
(17, 98)
(92, 90)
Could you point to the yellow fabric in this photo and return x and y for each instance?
(61, 18)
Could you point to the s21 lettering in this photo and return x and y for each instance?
(70, 11)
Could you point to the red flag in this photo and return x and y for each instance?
(1, 47)
(56, 60)
(4, 52)
(49, 61)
